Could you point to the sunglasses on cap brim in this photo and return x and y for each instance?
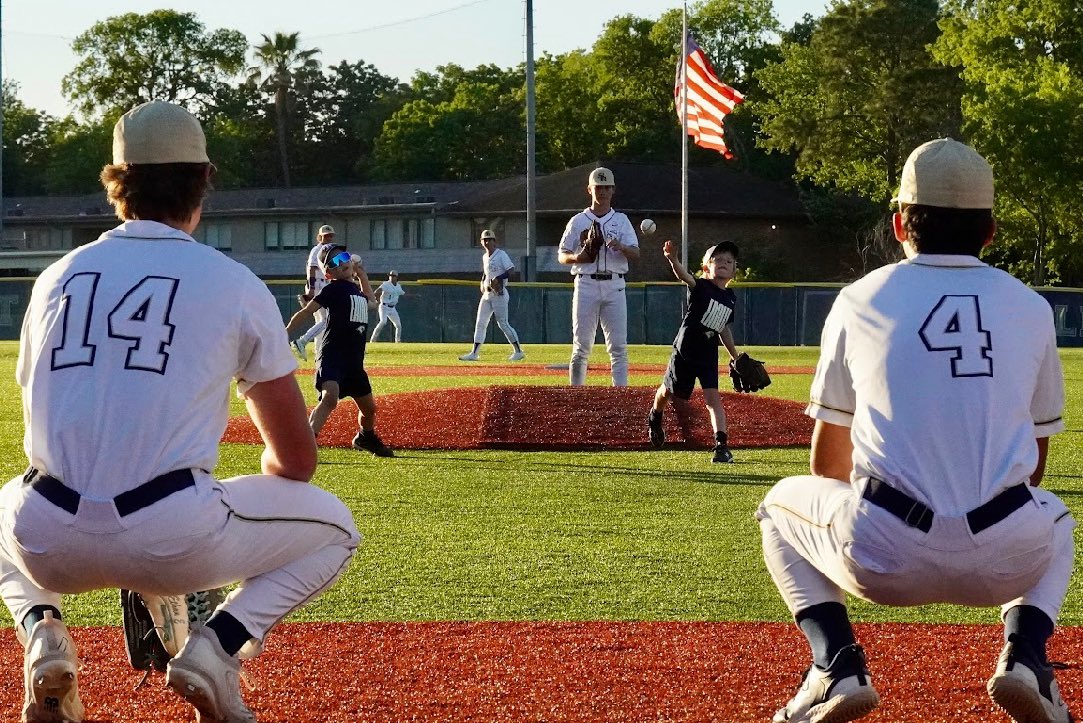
(342, 257)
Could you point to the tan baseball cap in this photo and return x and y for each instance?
(324, 230)
(488, 234)
(947, 174)
(392, 273)
(159, 132)
(601, 177)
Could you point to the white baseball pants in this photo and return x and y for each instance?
(599, 301)
(494, 305)
(388, 313)
(315, 329)
(821, 539)
(285, 541)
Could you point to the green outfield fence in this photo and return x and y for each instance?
(440, 310)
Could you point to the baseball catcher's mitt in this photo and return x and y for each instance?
(156, 626)
(748, 374)
(590, 243)
(145, 649)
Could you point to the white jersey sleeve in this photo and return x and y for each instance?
(832, 398)
(499, 263)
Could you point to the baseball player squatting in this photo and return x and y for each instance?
(707, 323)
(340, 351)
(496, 267)
(314, 283)
(937, 389)
(128, 349)
(389, 293)
(598, 243)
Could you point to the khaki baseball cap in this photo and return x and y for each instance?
(159, 132)
(601, 177)
(488, 234)
(324, 230)
(947, 174)
(392, 273)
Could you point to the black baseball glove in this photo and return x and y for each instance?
(748, 374)
(145, 649)
(590, 243)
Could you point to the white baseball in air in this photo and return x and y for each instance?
(648, 226)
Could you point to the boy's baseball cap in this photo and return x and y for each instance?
(601, 177)
(947, 174)
(324, 230)
(488, 234)
(159, 132)
(328, 255)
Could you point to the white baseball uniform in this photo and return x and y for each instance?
(389, 299)
(599, 295)
(127, 352)
(945, 370)
(493, 304)
(320, 281)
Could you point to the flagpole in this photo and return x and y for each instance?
(684, 135)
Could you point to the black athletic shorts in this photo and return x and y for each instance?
(681, 375)
(353, 381)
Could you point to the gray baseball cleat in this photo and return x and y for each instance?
(50, 674)
(209, 679)
(470, 356)
(517, 356)
(843, 692)
(1024, 686)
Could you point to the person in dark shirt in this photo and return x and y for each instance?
(706, 325)
(340, 356)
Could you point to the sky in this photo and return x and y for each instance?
(397, 38)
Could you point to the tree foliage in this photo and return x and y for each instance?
(26, 145)
(163, 55)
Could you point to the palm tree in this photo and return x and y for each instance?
(278, 61)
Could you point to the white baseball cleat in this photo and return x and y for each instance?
(842, 692)
(50, 674)
(209, 679)
(517, 356)
(1025, 687)
(472, 356)
(299, 347)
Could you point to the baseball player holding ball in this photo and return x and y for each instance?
(707, 323)
(936, 393)
(127, 353)
(496, 267)
(340, 353)
(315, 280)
(389, 293)
(598, 243)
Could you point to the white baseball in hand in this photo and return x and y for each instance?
(648, 226)
(355, 258)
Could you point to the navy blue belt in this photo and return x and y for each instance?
(916, 514)
(390, 306)
(603, 277)
(126, 503)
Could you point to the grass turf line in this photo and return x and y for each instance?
(505, 535)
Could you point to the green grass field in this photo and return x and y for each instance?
(504, 535)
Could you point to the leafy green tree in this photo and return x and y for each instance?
(862, 93)
(163, 55)
(279, 60)
(26, 144)
(1023, 69)
(79, 151)
(568, 128)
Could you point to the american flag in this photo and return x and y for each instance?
(709, 99)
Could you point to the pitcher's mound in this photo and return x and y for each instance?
(555, 418)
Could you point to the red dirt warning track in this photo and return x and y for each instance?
(555, 418)
(559, 671)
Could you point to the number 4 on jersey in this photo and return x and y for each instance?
(954, 325)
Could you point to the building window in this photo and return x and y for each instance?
(287, 235)
(48, 238)
(402, 233)
(216, 235)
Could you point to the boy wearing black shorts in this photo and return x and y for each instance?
(340, 349)
(706, 325)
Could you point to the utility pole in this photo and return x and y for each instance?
(530, 272)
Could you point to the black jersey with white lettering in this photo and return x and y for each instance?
(710, 309)
(347, 321)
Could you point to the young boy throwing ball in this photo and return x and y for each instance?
(340, 355)
(695, 350)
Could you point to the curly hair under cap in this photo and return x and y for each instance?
(156, 191)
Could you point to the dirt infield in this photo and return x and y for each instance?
(531, 370)
(559, 671)
(555, 418)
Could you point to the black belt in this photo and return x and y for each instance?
(390, 306)
(916, 514)
(602, 277)
(126, 503)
